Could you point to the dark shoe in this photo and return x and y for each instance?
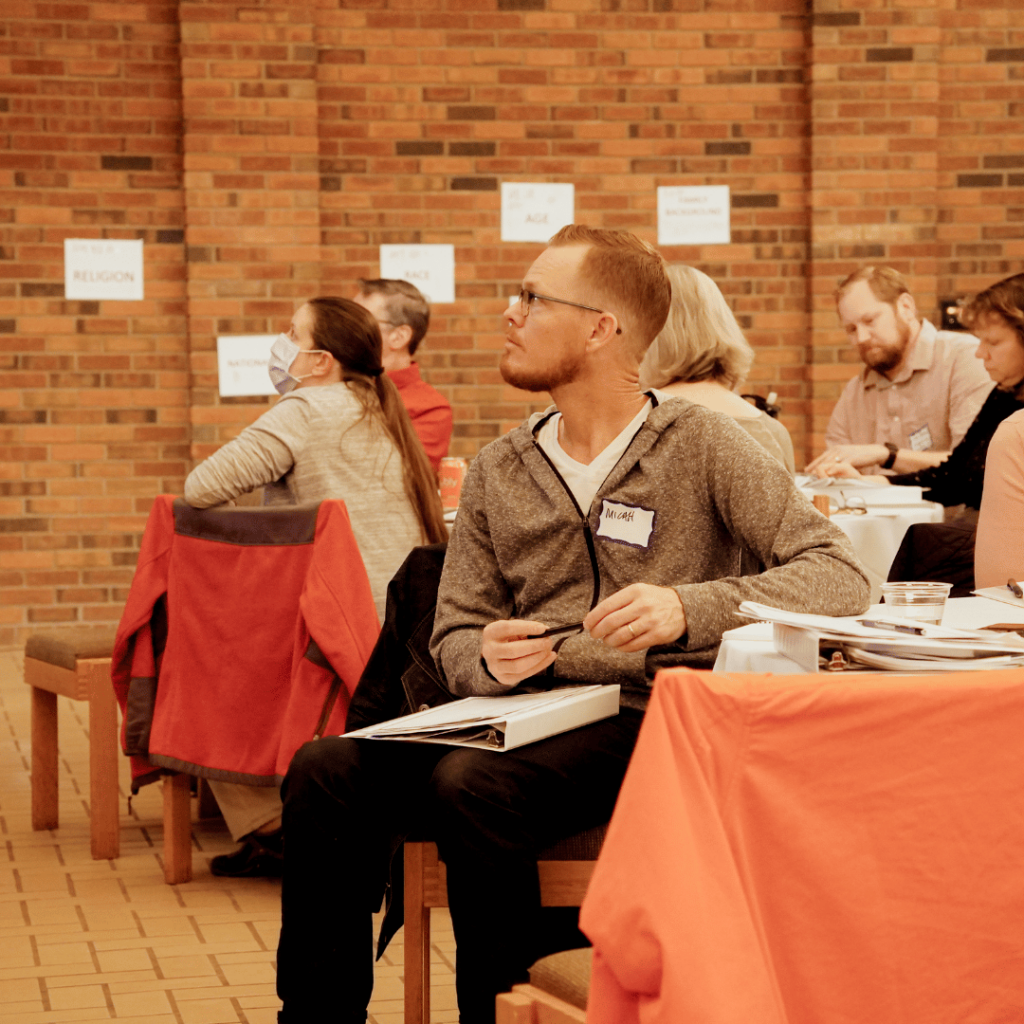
(257, 857)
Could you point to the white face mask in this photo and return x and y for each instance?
(283, 353)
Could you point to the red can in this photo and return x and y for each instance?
(453, 472)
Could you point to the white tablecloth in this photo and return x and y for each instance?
(750, 648)
(878, 533)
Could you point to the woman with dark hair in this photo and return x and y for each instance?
(339, 431)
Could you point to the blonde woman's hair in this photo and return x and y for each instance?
(701, 339)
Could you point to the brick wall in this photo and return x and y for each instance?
(264, 150)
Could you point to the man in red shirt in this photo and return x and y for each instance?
(404, 315)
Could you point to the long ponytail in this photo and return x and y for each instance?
(346, 330)
(420, 479)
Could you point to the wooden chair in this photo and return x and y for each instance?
(76, 664)
(557, 993)
(565, 871)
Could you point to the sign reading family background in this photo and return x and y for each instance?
(533, 212)
(430, 267)
(693, 215)
(242, 365)
(100, 268)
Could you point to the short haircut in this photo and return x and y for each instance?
(886, 284)
(701, 339)
(627, 272)
(1004, 298)
(404, 302)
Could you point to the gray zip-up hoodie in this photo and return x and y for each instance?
(690, 492)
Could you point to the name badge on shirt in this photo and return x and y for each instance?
(921, 439)
(627, 524)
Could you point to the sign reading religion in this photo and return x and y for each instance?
(103, 268)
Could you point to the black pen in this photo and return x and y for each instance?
(896, 627)
(555, 630)
(1014, 587)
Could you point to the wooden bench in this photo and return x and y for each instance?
(76, 664)
(557, 993)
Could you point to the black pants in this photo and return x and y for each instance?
(346, 801)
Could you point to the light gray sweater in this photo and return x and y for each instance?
(521, 548)
(315, 443)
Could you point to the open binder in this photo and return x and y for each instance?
(500, 723)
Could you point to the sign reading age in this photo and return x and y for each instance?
(103, 268)
(534, 211)
(430, 267)
(693, 215)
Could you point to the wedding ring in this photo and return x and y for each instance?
(629, 626)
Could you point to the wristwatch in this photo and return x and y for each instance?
(893, 452)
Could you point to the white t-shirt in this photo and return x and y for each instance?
(584, 481)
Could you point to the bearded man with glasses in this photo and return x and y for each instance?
(595, 543)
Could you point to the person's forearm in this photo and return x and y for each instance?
(909, 461)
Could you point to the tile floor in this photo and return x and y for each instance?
(86, 940)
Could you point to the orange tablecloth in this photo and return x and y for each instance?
(816, 851)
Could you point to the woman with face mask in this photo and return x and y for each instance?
(339, 431)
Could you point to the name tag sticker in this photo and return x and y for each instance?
(921, 439)
(627, 524)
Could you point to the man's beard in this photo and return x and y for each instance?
(890, 355)
(541, 380)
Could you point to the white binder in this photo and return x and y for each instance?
(500, 723)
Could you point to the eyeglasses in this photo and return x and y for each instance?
(527, 298)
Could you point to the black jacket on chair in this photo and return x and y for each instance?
(401, 678)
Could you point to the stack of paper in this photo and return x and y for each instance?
(1002, 594)
(503, 722)
(887, 642)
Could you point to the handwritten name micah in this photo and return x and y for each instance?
(625, 514)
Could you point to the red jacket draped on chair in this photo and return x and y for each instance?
(244, 634)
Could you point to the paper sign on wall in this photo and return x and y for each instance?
(533, 212)
(693, 215)
(430, 267)
(103, 268)
(242, 364)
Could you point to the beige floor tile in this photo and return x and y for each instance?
(140, 1004)
(198, 966)
(78, 995)
(209, 1011)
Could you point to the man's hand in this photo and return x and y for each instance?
(839, 469)
(511, 654)
(637, 617)
(838, 460)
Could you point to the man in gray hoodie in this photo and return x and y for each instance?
(617, 514)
